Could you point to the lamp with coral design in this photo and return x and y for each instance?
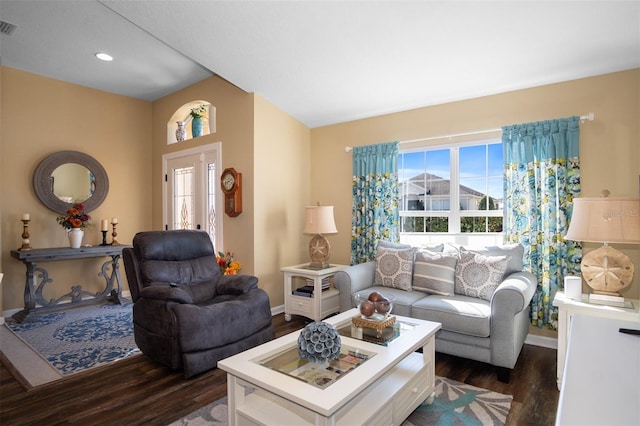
(319, 221)
(606, 220)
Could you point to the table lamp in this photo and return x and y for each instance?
(319, 220)
(606, 220)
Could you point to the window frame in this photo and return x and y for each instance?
(455, 214)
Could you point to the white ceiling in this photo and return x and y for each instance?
(323, 62)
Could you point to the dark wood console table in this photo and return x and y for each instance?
(34, 302)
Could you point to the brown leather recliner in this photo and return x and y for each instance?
(186, 314)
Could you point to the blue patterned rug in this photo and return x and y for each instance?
(456, 404)
(80, 338)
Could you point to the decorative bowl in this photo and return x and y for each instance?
(374, 306)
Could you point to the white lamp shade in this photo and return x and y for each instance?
(319, 220)
(605, 220)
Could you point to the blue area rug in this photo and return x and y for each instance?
(461, 404)
(80, 338)
(456, 404)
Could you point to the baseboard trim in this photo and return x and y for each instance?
(277, 310)
(543, 341)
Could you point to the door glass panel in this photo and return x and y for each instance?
(211, 201)
(183, 197)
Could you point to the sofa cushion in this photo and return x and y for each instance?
(389, 244)
(514, 252)
(394, 267)
(478, 275)
(459, 314)
(434, 273)
(434, 248)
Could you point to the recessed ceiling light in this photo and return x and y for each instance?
(104, 57)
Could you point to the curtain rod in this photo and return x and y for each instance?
(589, 117)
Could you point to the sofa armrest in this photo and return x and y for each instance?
(513, 295)
(166, 293)
(353, 279)
(510, 317)
(236, 284)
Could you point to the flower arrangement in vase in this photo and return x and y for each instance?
(73, 221)
(227, 265)
(74, 218)
(196, 123)
(198, 112)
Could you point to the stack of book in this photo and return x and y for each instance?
(606, 299)
(307, 290)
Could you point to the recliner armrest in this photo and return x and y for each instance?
(236, 284)
(167, 293)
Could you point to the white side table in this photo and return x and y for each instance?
(322, 304)
(567, 308)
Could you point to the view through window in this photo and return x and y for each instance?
(452, 189)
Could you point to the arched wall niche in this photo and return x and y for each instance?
(183, 114)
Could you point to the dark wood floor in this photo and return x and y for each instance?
(138, 391)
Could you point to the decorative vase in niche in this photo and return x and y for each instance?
(181, 132)
(196, 127)
(75, 237)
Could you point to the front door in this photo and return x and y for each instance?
(191, 191)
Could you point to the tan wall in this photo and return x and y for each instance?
(271, 150)
(285, 165)
(234, 129)
(41, 116)
(282, 188)
(609, 146)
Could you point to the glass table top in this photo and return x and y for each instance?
(317, 374)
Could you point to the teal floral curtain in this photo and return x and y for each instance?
(542, 175)
(375, 211)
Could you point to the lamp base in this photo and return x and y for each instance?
(319, 252)
(607, 270)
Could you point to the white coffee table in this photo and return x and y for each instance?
(384, 389)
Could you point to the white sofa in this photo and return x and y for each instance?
(490, 329)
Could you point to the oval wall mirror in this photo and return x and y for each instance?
(68, 177)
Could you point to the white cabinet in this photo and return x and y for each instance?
(601, 383)
(322, 303)
(567, 308)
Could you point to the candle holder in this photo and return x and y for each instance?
(104, 238)
(114, 234)
(25, 235)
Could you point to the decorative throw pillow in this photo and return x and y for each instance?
(434, 248)
(515, 253)
(394, 267)
(389, 244)
(478, 275)
(434, 273)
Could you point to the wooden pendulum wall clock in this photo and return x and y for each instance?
(231, 183)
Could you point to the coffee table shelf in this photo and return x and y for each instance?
(383, 390)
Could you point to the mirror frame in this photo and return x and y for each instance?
(42, 180)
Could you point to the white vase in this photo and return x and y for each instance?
(75, 237)
(181, 132)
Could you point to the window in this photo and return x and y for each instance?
(454, 189)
